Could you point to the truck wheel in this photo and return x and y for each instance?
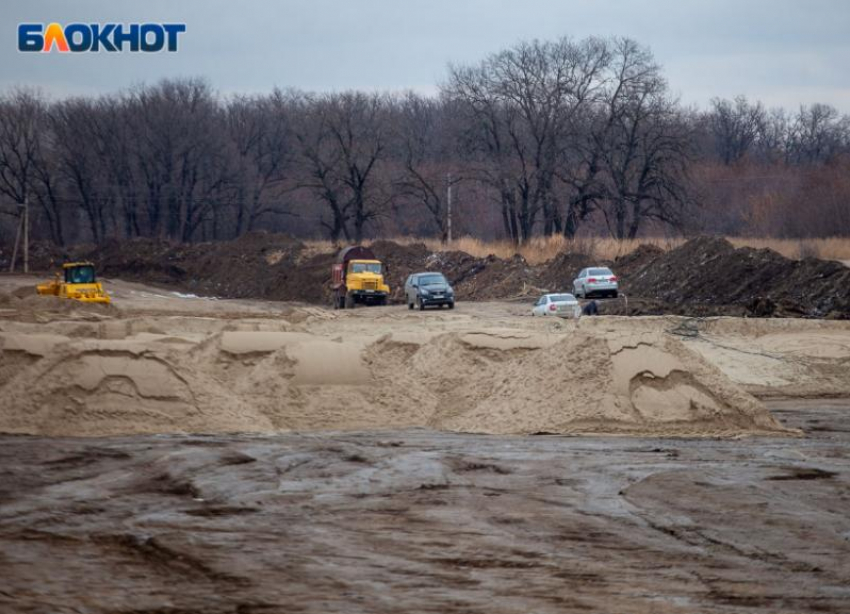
(451, 305)
(349, 301)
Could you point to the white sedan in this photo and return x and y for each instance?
(563, 305)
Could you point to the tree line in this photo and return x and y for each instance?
(543, 138)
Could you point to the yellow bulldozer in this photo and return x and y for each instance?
(79, 283)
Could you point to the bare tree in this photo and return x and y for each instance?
(21, 122)
(548, 137)
(645, 151)
(259, 129)
(178, 128)
(343, 138)
(47, 186)
(771, 147)
(737, 126)
(522, 106)
(426, 150)
(73, 123)
(818, 135)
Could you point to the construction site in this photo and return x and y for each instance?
(220, 427)
(424, 307)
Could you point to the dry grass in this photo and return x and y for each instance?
(541, 249)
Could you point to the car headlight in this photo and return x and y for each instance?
(450, 292)
(423, 292)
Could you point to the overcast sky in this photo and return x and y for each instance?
(782, 52)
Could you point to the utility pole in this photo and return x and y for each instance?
(17, 242)
(26, 234)
(22, 231)
(449, 207)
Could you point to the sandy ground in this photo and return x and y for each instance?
(381, 460)
(163, 362)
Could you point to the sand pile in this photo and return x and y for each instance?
(24, 304)
(778, 357)
(583, 382)
(61, 386)
(276, 378)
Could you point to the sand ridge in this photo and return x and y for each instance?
(160, 363)
(264, 376)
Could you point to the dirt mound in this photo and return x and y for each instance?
(459, 267)
(558, 274)
(494, 278)
(705, 276)
(276, 267)
(257, 265)
(399, 262)
(43, 256)
(477, 380)
(711, 274)
(472, 278)
(626, 266)
(145, 260)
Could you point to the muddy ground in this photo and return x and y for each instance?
(425, 521)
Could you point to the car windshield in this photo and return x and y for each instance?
(430, 280)
(599, 272)
(562, 298)
(366, 267)
(80, 275)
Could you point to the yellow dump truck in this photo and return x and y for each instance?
(358, 277)
(79, 283)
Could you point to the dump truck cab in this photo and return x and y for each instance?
(78, 281)
(358, 277)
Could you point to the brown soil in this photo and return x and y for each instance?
(257, 265)
(706, 276)
(44, 255)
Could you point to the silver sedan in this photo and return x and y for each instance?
(596, 280)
